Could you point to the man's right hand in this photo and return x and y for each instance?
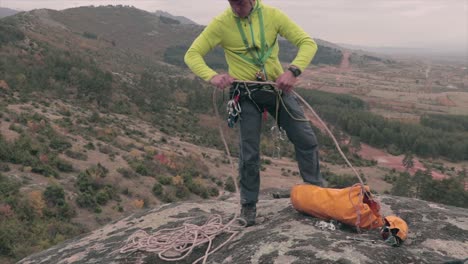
(222, 80)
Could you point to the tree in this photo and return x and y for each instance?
(355, 144)
(408, 161)
(402, 186)
(422, 180)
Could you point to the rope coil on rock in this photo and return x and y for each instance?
(173, 244)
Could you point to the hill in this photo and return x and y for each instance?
(4, 12)
(181, 19)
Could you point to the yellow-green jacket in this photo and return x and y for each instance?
(223, 31)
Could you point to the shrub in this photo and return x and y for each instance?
(181, 192)
(97, 171)
(102, 197)
(229, 185)
(157, 189)
(105, 149)
(341, 181)
(85, 183)
(141, 169)
(86, 200)
(9, 189)
(89, 35)
(213, 191)
(90, 146)
(63, 166)
(59, 144)
(54, 195)
(4, 167)
(45, 170)
(198, 188)
(168, 197)
(127, 173)
(164, 180)
(76, 155)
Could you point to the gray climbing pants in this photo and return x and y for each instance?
(300, 133)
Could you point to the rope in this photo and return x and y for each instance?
(321, 122)
(363, 191)
(177, 243)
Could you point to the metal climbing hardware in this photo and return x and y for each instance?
(278, 135)
(234, 109)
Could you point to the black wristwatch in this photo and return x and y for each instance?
(295, 71)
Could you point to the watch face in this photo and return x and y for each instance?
(296, 72)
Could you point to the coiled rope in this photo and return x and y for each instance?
(177, 243)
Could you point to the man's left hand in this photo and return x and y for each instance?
(286, 81)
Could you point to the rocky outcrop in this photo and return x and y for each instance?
(438, 234)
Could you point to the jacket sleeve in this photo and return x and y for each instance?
(297, 36)
(205, 42)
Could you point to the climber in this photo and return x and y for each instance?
(248, 31)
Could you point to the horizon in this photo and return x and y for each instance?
(396, 23)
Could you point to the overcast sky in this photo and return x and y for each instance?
(401, 23)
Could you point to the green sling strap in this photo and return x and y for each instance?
(261, 57)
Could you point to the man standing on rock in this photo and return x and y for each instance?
(248, 31)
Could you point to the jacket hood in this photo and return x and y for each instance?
(258, 5)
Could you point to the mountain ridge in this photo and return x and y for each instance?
(4, 12)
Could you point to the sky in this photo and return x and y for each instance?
(437, 24)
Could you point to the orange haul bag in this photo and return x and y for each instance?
(351, 205)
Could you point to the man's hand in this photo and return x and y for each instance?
(286, 81)
(222, 80)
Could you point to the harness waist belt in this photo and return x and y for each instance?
(247, 88)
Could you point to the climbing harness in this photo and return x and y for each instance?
(258, 56)
(255, 91)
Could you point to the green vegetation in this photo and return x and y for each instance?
(76, 155)
(93, 192)
(9, 32)
(89, 35)
(366, 59)
(350, 114)
(229, 185)
(340, 181)
(45, 68)
(448, 123)
(324, 55)
(447, 191)
(33, 221)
